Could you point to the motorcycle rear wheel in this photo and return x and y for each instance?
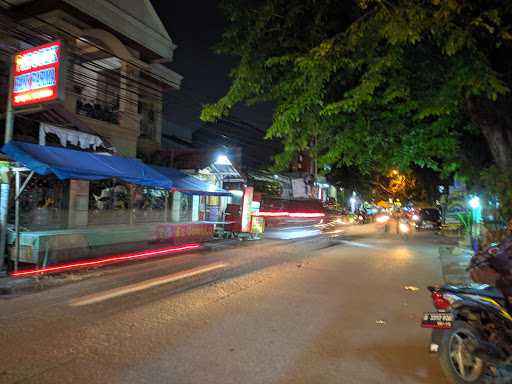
(458, 364)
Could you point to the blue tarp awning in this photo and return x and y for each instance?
(190, 184)
(71, 164)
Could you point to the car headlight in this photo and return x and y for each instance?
(382, 219)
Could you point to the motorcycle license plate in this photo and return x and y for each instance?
(437, 320)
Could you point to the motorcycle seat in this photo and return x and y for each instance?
(489, 292)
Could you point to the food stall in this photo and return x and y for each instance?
(73, 204)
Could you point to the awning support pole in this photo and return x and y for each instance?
(17, 221)
(4, 210)
(24, 184)
(19, 190)
(166, 207)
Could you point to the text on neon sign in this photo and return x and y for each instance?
(37, 58)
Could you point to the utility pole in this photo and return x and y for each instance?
(4, 173)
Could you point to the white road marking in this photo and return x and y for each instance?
(116, 292)
(357, 244)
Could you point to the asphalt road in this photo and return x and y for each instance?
(302, 310)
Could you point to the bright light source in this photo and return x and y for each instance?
(382, 218)
(352, 200)
(404, 228)
(222, 160)
(415, 217)
(237, 193)
(474, 202)
(394, 172)
(276, 177)
(306, 214)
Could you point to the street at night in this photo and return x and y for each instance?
(308, 310)
(255, 192)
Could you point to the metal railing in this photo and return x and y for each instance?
(99, 110)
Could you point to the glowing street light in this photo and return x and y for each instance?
(474, 202)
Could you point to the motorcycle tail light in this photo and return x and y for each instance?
(439, 301)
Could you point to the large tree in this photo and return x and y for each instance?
(376, 84)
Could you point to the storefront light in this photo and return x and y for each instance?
(222, 160)
(237, 193)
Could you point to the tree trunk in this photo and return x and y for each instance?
(494, 120)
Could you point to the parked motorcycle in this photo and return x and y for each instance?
(471, 333)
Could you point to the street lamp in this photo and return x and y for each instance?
(474, 202)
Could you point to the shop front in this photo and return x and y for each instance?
(74, 205)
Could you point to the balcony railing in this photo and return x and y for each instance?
(98, 110)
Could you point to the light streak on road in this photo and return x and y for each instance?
(357, 244)
(117, 292)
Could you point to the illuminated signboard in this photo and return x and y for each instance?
(35, 75)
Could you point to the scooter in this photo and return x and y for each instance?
(404, 228)
(471, 333)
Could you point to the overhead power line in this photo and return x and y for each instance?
(132, 85)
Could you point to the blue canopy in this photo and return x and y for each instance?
(80, 165)
(190, 184)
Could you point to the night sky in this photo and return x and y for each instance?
(195, 26)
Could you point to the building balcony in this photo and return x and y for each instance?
(99, 110)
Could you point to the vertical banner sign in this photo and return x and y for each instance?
(35, 74)
(247, 209)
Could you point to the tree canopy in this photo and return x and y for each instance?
(378, 83)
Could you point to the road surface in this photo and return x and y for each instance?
(302, 310)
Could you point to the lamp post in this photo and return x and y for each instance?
(476, 219)
(342, 199)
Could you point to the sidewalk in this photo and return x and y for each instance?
(454, 261)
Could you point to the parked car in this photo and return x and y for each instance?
(428, 218)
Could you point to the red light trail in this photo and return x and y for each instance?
(289, 214)
(105, 261)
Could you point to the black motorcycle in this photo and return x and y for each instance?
(471, 333)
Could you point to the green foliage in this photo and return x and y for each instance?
(381, 84)
(466, 220)
(499, 184)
